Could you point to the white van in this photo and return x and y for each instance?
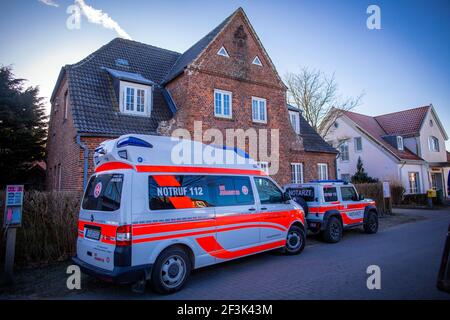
(143, 217)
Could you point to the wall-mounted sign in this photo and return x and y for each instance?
(13, 206)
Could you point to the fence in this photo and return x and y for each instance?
(49, 228)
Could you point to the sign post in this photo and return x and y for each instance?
(387, 197)
(12, 220)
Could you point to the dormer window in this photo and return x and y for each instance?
(135, 98)
(400, 143)
(223, 52)
(294, 116)
(257, 61)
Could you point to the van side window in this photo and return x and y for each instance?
(179, 192)
(348, 194)
(103, 192)
(268, 191)
(233, 191)
(330, 194)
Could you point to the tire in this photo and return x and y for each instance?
(333, 231)
(171, 271)
(371, 223)
(295, 241)
(303, 204)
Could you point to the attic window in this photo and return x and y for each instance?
(223, 52)
(257, 62)
(135, 99)
(400, 143)
(122, 62)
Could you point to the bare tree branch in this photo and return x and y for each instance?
(317, 96)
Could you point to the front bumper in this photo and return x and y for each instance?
(119, 275)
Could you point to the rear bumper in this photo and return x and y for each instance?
(117, 275)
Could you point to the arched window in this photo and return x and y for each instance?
(433, 143)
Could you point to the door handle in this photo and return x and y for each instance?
(251, 209)
(264, 208)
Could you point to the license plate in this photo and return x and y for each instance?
(93, 233)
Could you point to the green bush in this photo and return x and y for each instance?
(49, 228)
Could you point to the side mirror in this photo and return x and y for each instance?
(286, 197)
(361, 197)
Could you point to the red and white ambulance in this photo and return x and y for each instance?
(332, 206)
(144, 216)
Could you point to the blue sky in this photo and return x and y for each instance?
(403, 65)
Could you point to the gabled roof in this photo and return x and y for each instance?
(193, 52)
(312, 141)
(373, 128)
(403, 123)
(94, 105)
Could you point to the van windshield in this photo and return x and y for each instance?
(103, 192)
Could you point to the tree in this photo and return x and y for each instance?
(361, 176)
(317, 96)
(23, 128)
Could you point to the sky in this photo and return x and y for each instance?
(404, 64)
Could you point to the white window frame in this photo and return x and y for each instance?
(410, 189)
(356, 144)
(344, 144)
(263, 165)
(147, 98)
(223, 93)
(296, 115)
(258, 119)
(296, 172)
(257, 61)
(225, 54)
(433, 144)
(320, 167)
(400, 145)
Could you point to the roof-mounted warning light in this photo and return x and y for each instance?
(134, 142)
(329, 181)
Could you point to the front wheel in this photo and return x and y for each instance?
(333, 231)
(371, 223)
(295, 241)
(171, 270)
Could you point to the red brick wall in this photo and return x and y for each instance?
(62, 149)
(193, 93)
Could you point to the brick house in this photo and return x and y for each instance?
(226, 80)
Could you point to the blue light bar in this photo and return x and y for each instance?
(240, 152)
(328, 181)
(134, 142)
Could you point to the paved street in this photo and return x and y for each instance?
(407, 253)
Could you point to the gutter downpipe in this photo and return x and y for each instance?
(85, 160)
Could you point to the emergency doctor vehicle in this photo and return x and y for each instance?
(332, 206)
(146, 216)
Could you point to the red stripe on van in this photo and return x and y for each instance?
(176, 169)
(196, 233)
(211, 246)
(166, 181)
(113, 166)
(182, 202)
(284, 220)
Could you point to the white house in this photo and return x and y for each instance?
(406, 147)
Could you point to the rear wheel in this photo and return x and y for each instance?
(333, 231)
(171, 270)
(295, 241)
(371, 223)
